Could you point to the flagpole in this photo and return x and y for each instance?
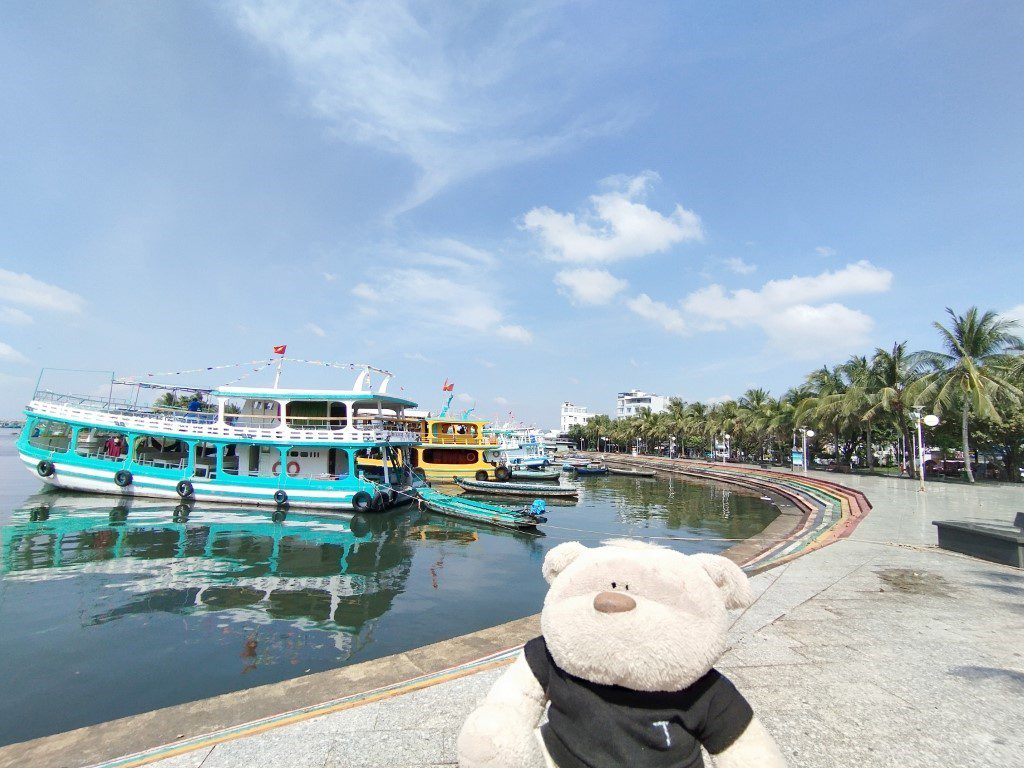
(280, 364)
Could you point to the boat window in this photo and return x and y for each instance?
(449, 456)
(229, 458)
(308, 414)
(337, 463)
(370, 414)
(252, 414)
(338, 415)
(454, 433)
(50, 435)
(162, 453)
(101, 443)
(205, 460)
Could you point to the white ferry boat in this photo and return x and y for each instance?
(334, 449)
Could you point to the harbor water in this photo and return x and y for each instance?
(111, 607)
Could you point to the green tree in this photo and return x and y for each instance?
(971, 373)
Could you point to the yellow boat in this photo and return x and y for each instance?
(450, 447)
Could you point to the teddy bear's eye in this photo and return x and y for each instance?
(613, 585)
(627, 587)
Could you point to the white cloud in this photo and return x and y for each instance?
(668, 318)
(330, 277)
(441, 304)
(807, 332)
(12, 316)
(739, 266)
(617, 226)
(745, 306)
(26, 291)
(589, 286)
(316, 330)
(418, 357)
(501, 400)
(824, 250)
(455, 93)
(789, 311)
(10, 354)
(486, 363)
(364, 291)
(718, 399)
(515, 333)
(1015, 313)
(445, 253)
(465, 397)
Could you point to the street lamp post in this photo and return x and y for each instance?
(807, 433)
(930, 420)
(725, 452)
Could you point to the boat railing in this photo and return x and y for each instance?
(458, 440)
(123, 414)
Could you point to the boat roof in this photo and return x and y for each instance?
(269, 393)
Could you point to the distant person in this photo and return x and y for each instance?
(113, 447)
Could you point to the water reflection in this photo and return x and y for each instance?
(337, 571)
(192, 602)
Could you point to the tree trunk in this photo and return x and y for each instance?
(871, 453)
(967, 446)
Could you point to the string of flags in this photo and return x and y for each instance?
(261, 364)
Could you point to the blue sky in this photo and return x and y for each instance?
(539, 202)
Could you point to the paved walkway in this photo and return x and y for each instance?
(878, 650)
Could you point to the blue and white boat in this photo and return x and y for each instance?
(519, 448)
(333, 449)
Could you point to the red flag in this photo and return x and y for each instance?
(448, 387)
(280, 348)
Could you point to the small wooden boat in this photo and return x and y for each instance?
(589, 469)
(535, 490)
(631, 472)
(515, 518)
(530, 475)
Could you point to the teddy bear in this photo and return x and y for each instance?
(624, 667)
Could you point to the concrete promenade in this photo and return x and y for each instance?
(877, 650)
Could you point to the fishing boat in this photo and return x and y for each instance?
(519, 448)
(534, 475)
(536, 490)
(233, 444)
(631, 472)
(478, 511)
(586, 469)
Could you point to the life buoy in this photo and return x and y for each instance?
(280, 497)
(471, 457)
(276, 469)
(293, 468)
(361, 501)
(123, 478)
(44, 468)
(185, 489)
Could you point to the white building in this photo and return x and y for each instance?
(632, 402)
(573, 415)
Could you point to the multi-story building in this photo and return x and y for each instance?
(573, 415)
(632, 402)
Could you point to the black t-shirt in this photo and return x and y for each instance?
(608, 726)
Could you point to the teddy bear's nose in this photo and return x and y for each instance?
(613, 602)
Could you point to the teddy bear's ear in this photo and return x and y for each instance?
(728, 577)
(559, 558)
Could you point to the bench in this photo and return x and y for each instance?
(987, 541)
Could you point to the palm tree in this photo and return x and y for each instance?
(968, 373)
(895, 385)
